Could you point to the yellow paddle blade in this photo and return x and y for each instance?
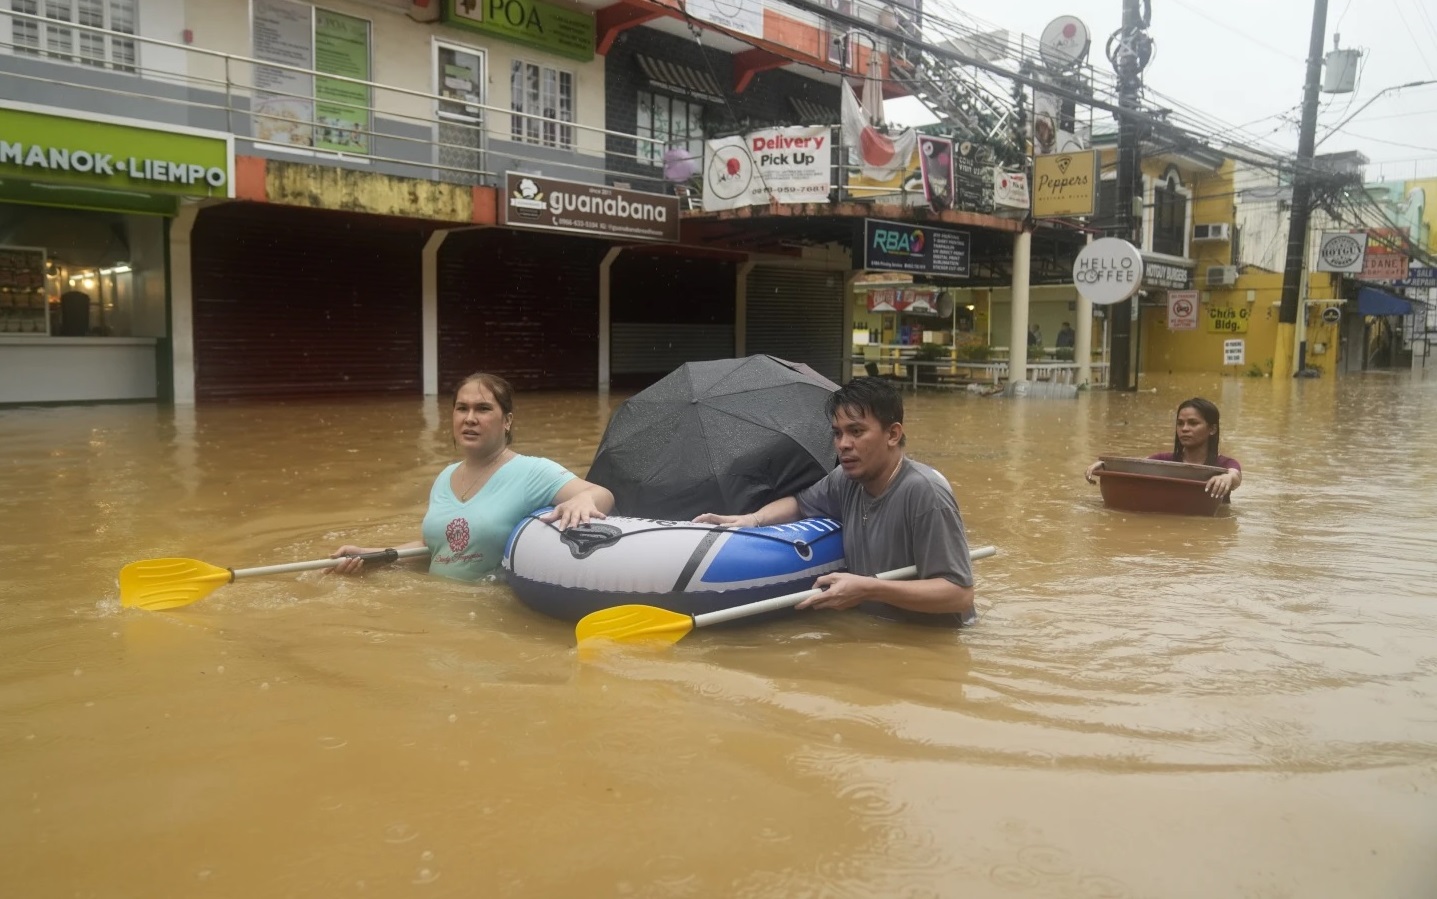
(634, 623)
(157, 584)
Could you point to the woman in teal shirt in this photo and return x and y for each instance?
(476, 502)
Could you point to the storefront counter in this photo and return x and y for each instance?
(76, 369)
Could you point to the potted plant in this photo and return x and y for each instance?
(975, 352)
(926, 356)
(1063, 354)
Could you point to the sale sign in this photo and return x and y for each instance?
(1182, 310)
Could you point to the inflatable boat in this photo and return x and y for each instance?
(676, 565)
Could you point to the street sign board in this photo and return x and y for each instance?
(1418, 277)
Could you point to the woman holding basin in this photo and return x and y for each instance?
(1195, 441)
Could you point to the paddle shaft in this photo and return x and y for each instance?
(793, 599)
(383, 555)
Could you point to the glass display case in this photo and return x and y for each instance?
(24, 304)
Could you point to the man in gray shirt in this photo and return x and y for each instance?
(895, 512)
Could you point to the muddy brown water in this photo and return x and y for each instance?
(1150, 705)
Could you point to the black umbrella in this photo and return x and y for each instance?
(723, 436)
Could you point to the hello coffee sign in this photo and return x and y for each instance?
(1108, 271)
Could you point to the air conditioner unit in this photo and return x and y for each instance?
(1221, 275)
(1218, 231)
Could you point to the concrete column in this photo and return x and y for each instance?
(182, 305)
(429, 312)
(605, 306)
(1083, 340)
(1018, 341)
(740, 310)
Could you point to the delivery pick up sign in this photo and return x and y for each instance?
(1108, 271)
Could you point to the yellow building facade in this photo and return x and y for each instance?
(1235, 302)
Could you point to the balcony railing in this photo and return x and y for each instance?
(406, 133)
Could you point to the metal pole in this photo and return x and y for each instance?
(1283, 361)
(1128, 62)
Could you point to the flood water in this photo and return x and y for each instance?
(1150, 706)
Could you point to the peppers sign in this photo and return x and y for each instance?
(1065, 184)
(1108, 270)
(97, 152)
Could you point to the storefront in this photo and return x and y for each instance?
(85, 205)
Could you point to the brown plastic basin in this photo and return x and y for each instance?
(1149, 493)
(1159, 468)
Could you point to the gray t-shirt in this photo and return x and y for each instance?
(914, 521)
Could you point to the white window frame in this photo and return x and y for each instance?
(1150, 186)
(480, 115)
(438, 45)
(651, 152)
(529, 125)
(117, 49)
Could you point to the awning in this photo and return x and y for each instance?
(1372, 301)
(672, 77)
(811, 113)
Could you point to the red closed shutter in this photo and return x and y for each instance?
(295, 302)
(523, 305)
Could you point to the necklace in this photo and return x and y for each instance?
(468, 492)
(874, 501)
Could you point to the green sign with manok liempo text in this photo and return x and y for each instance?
(544, 26)
(41, 147)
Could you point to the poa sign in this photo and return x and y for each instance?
(1108, 271)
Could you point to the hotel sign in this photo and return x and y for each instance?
(549, 204)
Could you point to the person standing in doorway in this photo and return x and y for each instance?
(1066, 336)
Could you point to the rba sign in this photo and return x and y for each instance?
(1341, 251)
(553, 205)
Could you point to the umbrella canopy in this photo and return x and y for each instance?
(726, 436)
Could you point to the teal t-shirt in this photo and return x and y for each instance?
(466, 540)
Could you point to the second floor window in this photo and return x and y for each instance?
(1170, 221)
(671, 122)
(54, 38)
(543, 102)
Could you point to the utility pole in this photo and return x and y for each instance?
(1128, 51)
(1283, 363)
